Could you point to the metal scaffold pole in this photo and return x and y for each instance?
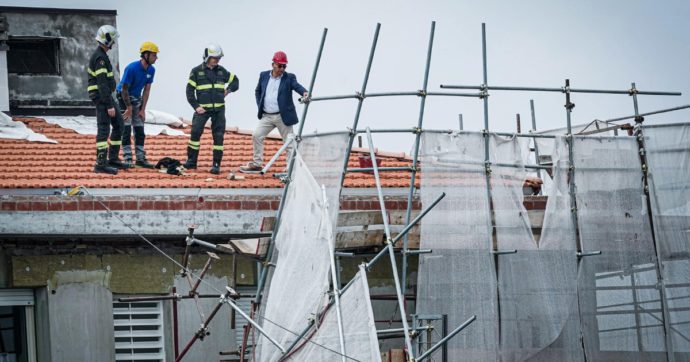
(639, 135)
(415, 162)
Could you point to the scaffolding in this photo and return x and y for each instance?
(497, 176)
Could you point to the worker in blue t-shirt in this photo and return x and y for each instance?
(133, 94)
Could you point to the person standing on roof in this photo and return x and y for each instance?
(101, 85)
(133, 95)
(276, 107)
(206, 93)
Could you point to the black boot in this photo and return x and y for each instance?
(143, 163)
(114, 158)
(101, 164)
(192, 155)
(217, 157)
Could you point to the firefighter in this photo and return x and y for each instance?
(101, 86)
(133, 95)
(206, 93)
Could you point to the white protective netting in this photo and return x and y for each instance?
(619, 298)
(537, 286)
(298, 283)
(668, 157)
(458, 278)
(361, 343)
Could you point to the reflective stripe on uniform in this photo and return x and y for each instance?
(204, 86)
(110, 74)
(232, 77)
(192, 83)
(115, 143)
(99, 71)
(217, 147)
(101, 145)
(194, 144)
(92, 88)
(221, 86)
(211, 105)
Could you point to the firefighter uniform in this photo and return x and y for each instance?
(101, 85)
(206, 88)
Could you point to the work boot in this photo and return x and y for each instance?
(114, 158)
(251, 167)
(192, 155)
(101, 166)
(215, 169)
(143, 163)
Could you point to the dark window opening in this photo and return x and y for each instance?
(12, 334)
(29, 55)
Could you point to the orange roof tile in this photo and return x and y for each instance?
(69, 163)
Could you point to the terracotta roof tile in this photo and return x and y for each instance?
(69, 163)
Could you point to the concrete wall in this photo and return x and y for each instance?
(77, 31)
(81, 323)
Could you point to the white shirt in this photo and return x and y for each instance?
(271, 98)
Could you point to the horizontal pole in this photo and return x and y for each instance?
(560, 90)
(343, 254)
(389, 130)
(396, 330)
(417, 252)
(330, 98)
(166, 297)
(446, 338)
(332, 133)
(648, 113)
(394, 94)
(502, 252)
(588, 253)
(371, 169)
(472, 95)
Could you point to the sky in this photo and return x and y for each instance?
(597, 44)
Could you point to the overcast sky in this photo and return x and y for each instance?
(597, 44)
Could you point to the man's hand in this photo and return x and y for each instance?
(111, 112)
(142, 114)
(225, 93)
(200, 110)
(128, 113)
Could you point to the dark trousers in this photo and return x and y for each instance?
(217, 130)
(108, 126)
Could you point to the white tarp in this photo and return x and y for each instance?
(156, 123)
(361, 342)
(15, 130)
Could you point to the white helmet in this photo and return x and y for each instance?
(212, 50)
(106, 35)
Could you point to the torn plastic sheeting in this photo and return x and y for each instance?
(15, 130)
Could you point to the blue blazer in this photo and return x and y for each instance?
(287, 106)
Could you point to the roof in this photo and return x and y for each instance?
(69, 163)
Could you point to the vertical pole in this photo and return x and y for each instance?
(517, 120)
(462, 127)
(534, 140)
(415, 161)
(391, 252)
(444, 349)
(334, 280)
(360, 101)
(571, 159)
(269, 252)
(487, 167)
(176, 338)
(639, 134)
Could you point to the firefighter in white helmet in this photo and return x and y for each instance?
(101, 85)
(207, 87)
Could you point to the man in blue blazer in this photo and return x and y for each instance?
(276, 108)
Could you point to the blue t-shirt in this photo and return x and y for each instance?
(136, 77)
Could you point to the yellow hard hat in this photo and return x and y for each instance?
(148, 46)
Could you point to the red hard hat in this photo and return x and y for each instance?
(280, 57)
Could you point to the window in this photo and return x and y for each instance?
(33, 55)
(17, 342)
(139, 333)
